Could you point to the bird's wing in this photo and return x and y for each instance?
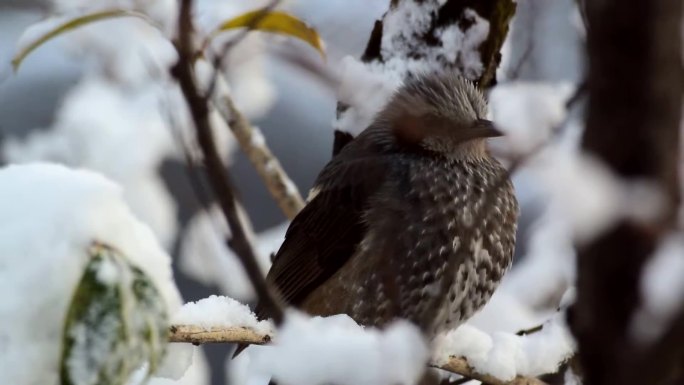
(325, 234)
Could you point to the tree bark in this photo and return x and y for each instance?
(635, 84)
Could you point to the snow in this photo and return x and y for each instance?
(527, 112)
(196, 374)
(589, 196)
(568, 298)
(52, 214)
(219, 311)
(463, 45)
(365, 88)
(126, 99)
(178, 359)
(548, 266)
(506, 311)
(662, 289)
(108, 273)
(257, 140)
(118, 133)
(312, 351)
(506, 355)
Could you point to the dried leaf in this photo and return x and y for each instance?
(71, 25)
(275, 22)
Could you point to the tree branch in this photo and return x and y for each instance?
(197, 335)
(253, 143)
(183, 71)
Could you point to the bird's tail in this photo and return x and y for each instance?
(239, 349)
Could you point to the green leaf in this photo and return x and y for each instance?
(117, 321)
(71, 25)
(275, 22)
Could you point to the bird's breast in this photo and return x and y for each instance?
(469, 215)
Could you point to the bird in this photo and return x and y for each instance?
(412, 219)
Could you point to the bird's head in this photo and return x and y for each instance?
(444, 113)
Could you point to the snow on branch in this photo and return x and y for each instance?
(197, 335)
(304, 343)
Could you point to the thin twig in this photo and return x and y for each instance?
(218, 175)
(200, 192)
(532, 330)
(198, 335)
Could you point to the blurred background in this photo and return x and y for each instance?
(93, 99)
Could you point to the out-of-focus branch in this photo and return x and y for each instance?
(633, 124)
(197, 335)
(183, 71)
(253, 143)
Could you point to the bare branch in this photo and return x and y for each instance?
(198, 335)
(253, 143)
(183, 71)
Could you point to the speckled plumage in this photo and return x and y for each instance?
(412, 219)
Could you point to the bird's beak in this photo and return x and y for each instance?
(484, 128)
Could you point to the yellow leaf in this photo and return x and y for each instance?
(71, 25)
(275, 22)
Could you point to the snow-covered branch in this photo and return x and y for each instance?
(459, 365)
(237, 334)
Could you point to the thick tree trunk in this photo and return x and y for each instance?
(635, 83)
